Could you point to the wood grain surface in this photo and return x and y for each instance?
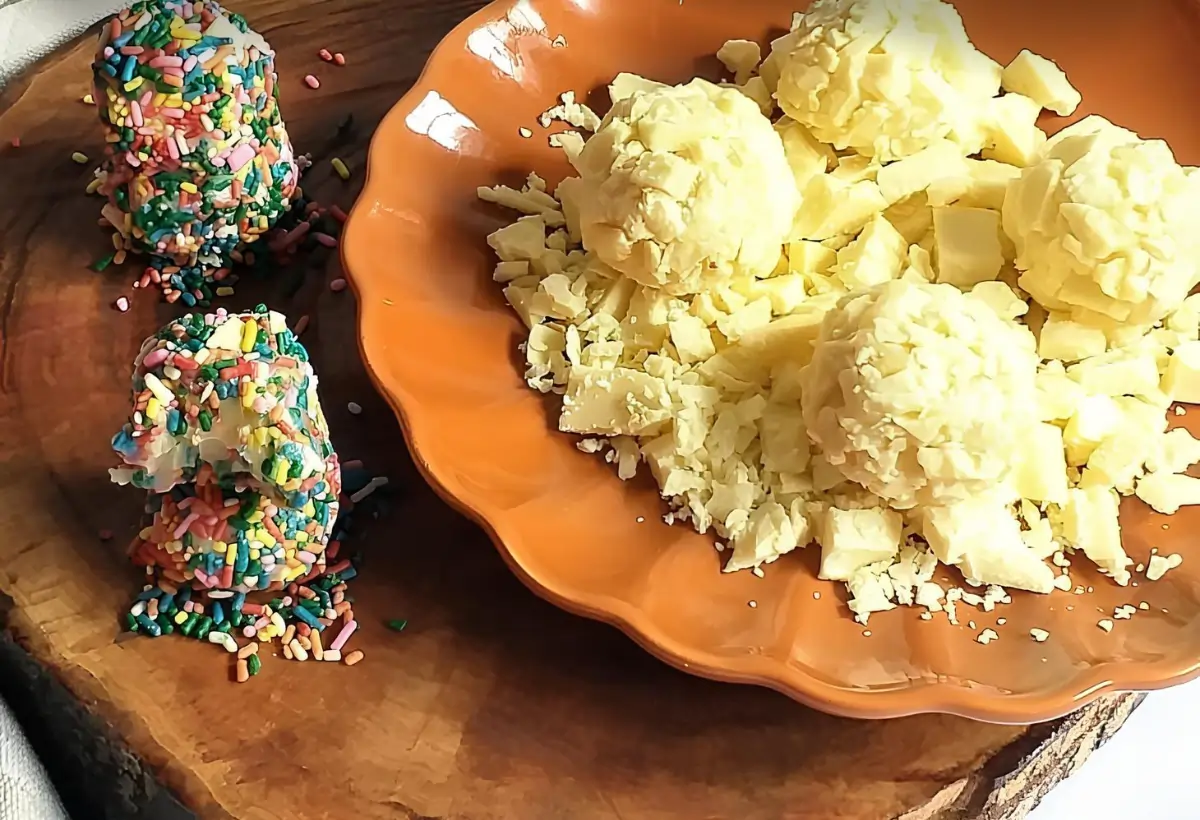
(492, 704)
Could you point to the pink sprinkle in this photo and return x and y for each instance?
(172, 149)
(145, 100)
(239, 156)
(122, 304)
(132, 159)
(311, 81)
(173, 71)
(201, 576)
(338, 213)
(184, 524)
(325, 55)
(166, 60)
(249, 631)
(106, 535)
(302, 324)
(189, 64)
(135, 113)
(108, 51)
(344, 635)
(326, 240)
(154, 358)
(339, 59)
(15, 142)
(173, 113)
(337, 285)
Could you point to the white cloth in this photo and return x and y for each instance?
(31, 29)
(25, 791)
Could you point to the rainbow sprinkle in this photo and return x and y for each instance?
(198, 161)
(228, 435)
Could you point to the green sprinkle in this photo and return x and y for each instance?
(101, 264)
(253, 665)
(397, 625)
(131, 624)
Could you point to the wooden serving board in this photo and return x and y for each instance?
(492, 704)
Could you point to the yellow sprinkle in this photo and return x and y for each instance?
(294, 572)
(87, 98)
(301, 535)
(79, 157)
(189, 187)
(93, 186)
(310, 510)
(266, 538)
(254, 517)
(261, 435)
(248, 397)
(282, 465)
(133, 84)
(254, 554)
(184, 34)
(340, 167)
(152, 408)
(159, 99)
(180, 616)
(249, 334)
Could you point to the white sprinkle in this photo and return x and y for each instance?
(525, 132)
(1143, 606)
(1001, 621)
(970, 624)
(925, 616)
(558, 42)
(866, 633)
(987, 636)
(1039, 635)
(354, 407)
(1063, 583)
(1105, 624)
(816, 596)
(753, 604)
(757, 572)
(1180, 411)
(640, 519)
(372, 485)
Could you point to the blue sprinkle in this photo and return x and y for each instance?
(304, 615)
(239, 598)
(147, 594)
(218, 613)
(127, 68)
(348, 573)
(152, 629)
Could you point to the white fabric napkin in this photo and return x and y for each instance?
(25, 791)
(31, 29)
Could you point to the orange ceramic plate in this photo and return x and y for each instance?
(442, 346)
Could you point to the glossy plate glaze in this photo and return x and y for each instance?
(442, 346)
